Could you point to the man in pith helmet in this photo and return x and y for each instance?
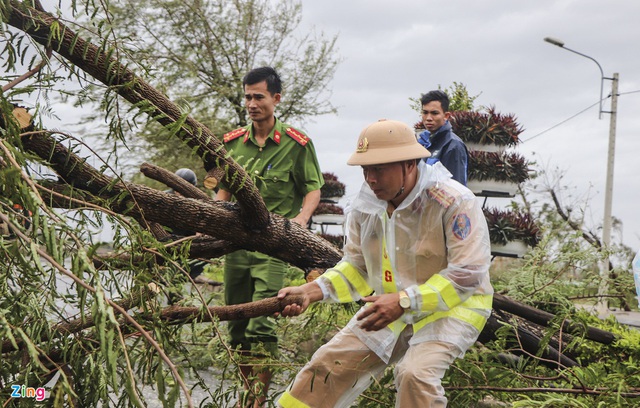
(418, 254)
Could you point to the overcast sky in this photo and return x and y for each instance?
(400, 49)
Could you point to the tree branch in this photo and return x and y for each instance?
(281, 238)
(106, 69)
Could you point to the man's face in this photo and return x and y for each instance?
(259, 102)
(433, 116)
(384, 179)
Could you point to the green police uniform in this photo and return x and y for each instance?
(284, 170)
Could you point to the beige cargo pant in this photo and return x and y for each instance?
(343, 368)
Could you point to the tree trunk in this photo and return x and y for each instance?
(281, 238)
(544, 318)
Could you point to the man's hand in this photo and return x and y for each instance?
(309, 204)
(310, 293)
(382, 311)
(301, 220)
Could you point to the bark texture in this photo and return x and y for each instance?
(281, 238)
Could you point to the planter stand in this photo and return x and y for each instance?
(331, 200)
(329, 219)
(493, 188)
(485, 147)
(512, 249)
(325, 220)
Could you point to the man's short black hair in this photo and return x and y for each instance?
(268, 74)
(439, 96)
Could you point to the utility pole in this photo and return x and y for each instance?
(602, 305)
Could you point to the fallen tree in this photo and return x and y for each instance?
(226, 227)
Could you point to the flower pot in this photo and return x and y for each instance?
(512, 249)
(485, 147)
(328, 219)
(493, 188)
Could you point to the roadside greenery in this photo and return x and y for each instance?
(92, 332)
(496, 374)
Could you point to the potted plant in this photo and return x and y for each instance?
(496, 174)
(512, 233)
(489, 131)
(328, 214)
(332, 189)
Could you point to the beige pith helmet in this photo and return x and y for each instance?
(387, 141)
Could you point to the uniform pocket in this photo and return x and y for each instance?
(275, 183)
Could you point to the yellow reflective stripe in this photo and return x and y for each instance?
(355, 278)
(466, 315)
(388, 281)
(397, 326)
(429, 298)
(446, 289)
(339, 286)
(462, 312)
(478, 302)
(289, 401)
(420, 324)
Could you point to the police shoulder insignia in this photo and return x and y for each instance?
(298, 136)
(461, 226)
(234, 134)
(443, 194)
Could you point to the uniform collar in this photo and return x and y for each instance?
(275, 134)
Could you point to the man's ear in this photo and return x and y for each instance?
(446, 115)
(277, 96)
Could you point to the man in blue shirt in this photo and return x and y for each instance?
(445, 146)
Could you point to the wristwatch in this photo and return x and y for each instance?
(404, 301)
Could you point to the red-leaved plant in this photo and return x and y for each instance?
(488, 127)
(499, 166)
(510, 225)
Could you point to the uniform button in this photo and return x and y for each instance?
(397, 248)
(256, 172)
(275, 179)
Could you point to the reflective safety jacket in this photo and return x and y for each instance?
(435, 246)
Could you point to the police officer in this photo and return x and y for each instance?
(283, 163)
(418, 254)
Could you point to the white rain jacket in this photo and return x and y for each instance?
(435, 246)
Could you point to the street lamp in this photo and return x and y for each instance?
(608, 196)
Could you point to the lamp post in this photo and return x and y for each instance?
(608, 194)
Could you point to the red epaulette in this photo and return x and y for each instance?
(297, 136)
(443, 194)
(234, 134)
